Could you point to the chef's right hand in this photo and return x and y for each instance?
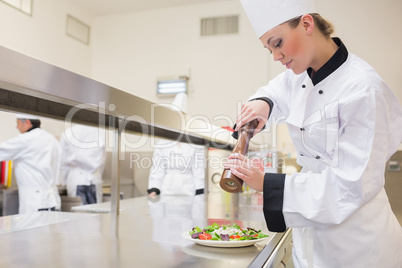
(257, 109)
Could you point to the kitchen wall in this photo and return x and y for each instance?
(130, 51)
(143, 46)
(42, 36)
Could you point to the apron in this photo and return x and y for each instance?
(31, 200)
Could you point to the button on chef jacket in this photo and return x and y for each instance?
(345, 124)
(36, 158)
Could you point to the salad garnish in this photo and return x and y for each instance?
(226, 233)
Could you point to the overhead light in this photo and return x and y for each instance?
(171, 86)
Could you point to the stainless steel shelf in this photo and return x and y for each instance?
(32, 86)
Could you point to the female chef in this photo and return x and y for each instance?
(345, 124)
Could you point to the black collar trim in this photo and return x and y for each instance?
(331, 65)
(32, 128)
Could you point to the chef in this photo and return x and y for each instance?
(345, 124)
(83, 162)
(178, 168)
(36, 158)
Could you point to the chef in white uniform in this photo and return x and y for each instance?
(178, 176)
(178, 168)
(36, 159)
(83, 162)
(345, 124)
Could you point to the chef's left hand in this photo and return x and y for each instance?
(246, 169)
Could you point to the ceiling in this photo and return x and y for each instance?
(107, 7)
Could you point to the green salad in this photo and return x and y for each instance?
(226, 233)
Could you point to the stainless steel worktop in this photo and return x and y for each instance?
(145, 233)
(149, 234)
(31, 86)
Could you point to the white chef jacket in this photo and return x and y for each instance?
(83, 158)
(344, 128)
(178, 168)
(36, 161)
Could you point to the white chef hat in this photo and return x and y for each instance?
(26, 116)
(180, 102)
(267, 14)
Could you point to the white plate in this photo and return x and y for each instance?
(222, 244)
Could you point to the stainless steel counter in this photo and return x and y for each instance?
(149, 234)
(29, 85)
(105, 207)
(22, 222)
(142, 232)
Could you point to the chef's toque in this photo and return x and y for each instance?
(267, 14)
(26, 116)
(180, 102)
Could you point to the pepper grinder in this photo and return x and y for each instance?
(230, 182)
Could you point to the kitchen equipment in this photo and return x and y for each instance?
(230, 182)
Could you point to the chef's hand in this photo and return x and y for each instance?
(246, 169)
(257, 109)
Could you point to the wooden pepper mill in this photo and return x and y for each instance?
(230, 182)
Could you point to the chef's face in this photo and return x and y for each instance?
(289, 46)
(23, 125)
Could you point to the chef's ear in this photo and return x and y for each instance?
(308, 23)
(28, 123)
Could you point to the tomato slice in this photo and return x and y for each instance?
(205, 236)
(235, 236)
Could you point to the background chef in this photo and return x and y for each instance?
(345, 124)
(178, 168)
(36, 158)
(83, 162)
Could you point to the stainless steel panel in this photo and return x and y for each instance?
(115, 206)
(9, 201)
(149, 235)
(31, 86)
(280, 253)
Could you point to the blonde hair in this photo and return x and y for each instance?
(325, 27)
